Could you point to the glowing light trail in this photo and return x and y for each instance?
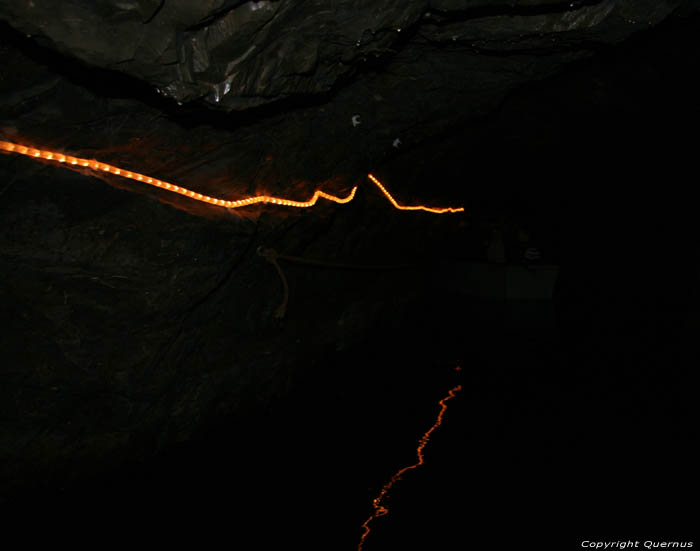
(435, 210)
(155, 182)
(96, 165)
(379, 509)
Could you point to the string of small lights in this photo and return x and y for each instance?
(379, 509)
(268, 199)
(104, 167)
(434, 210)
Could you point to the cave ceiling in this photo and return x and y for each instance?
(237, 55)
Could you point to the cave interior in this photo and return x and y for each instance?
(177, 369)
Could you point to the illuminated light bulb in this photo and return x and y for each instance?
(139, 178)
(61, 158)
(149, 180)
(117, 171)
(37, 153)
(49, 156)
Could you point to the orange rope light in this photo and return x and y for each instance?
(96, 165)
(155, 182)
(435, 210)
(379, 509)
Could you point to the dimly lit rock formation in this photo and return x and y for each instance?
(237, 55)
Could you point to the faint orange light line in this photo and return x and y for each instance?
(435, 210)
(379, 509)
(155, 182)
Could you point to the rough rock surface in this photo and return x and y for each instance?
(241, 54)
